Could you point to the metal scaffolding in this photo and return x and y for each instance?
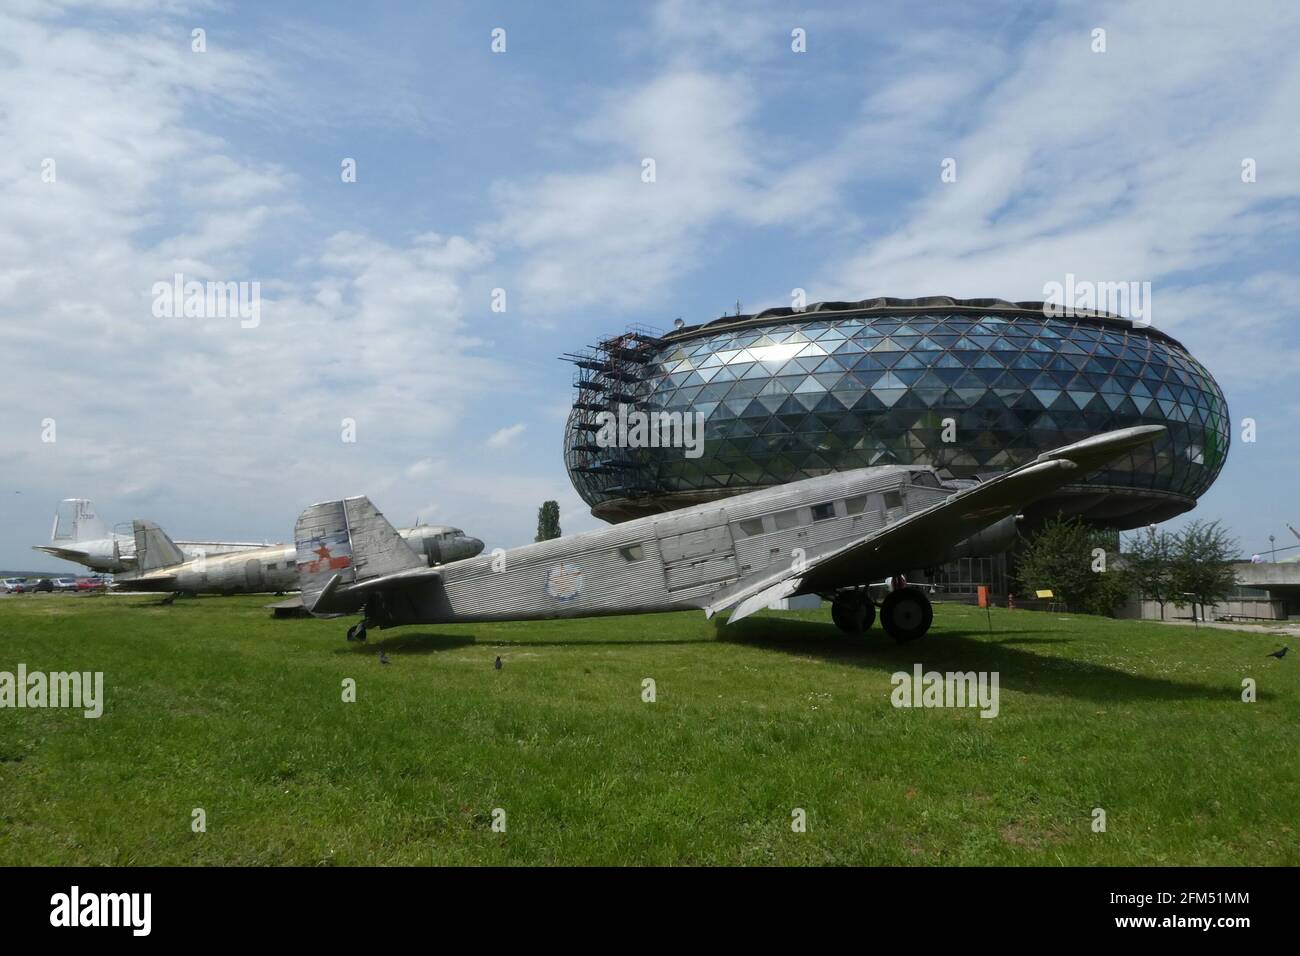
(607, 375)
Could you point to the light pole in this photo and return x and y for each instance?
(1274, 547)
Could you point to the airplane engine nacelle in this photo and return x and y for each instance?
(192, 581)
(996, 538)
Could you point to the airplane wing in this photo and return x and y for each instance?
(67, 554)
(925, 538)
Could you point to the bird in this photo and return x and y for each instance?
(383, 658)
(1280, 654)
(497, 665)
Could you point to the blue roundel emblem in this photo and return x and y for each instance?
(564, 581)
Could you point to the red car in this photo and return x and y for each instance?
(90, 584)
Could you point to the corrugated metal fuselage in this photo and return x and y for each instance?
(664, 562)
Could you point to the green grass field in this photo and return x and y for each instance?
(210, 703)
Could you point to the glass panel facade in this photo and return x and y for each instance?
(799, 398)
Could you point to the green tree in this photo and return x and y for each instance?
(548, 521)
(1113, 587)
(1202, 564)
(1149, 564)
(1079, 564)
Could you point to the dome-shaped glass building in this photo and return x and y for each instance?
(972, 387)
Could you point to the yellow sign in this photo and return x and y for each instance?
(1045, 594)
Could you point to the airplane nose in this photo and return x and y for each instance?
(475, 546)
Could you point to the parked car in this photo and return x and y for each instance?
(15, 585)
(65, 584)
(44, 584)
(90, 584)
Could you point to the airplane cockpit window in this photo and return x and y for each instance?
(823, 512)
(855, 505)
(750, 527)
(632, 552)
(925, 479)
(893, 499)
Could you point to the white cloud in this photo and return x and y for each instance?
(505, 437)
(1120, 165)
(199, 415)
(604, 235)
(599, 235)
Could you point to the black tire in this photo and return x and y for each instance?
(853, 613)
(906, 614)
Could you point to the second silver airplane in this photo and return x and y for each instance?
(163, 566)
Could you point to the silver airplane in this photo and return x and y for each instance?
(161, 564)
(80, 536)
(832, 536)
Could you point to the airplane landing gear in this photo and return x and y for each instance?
(906, 614)
(853, 612)
(357, 632)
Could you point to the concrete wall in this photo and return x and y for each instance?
(1261, 608)
(1267, 574)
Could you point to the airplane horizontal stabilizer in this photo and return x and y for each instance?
(78, 556)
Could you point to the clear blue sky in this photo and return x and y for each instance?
(522, 170)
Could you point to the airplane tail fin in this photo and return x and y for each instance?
(343, 547)
(153, 549)
(75, 520)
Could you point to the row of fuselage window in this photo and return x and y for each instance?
(791, 518)
(799, 517)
